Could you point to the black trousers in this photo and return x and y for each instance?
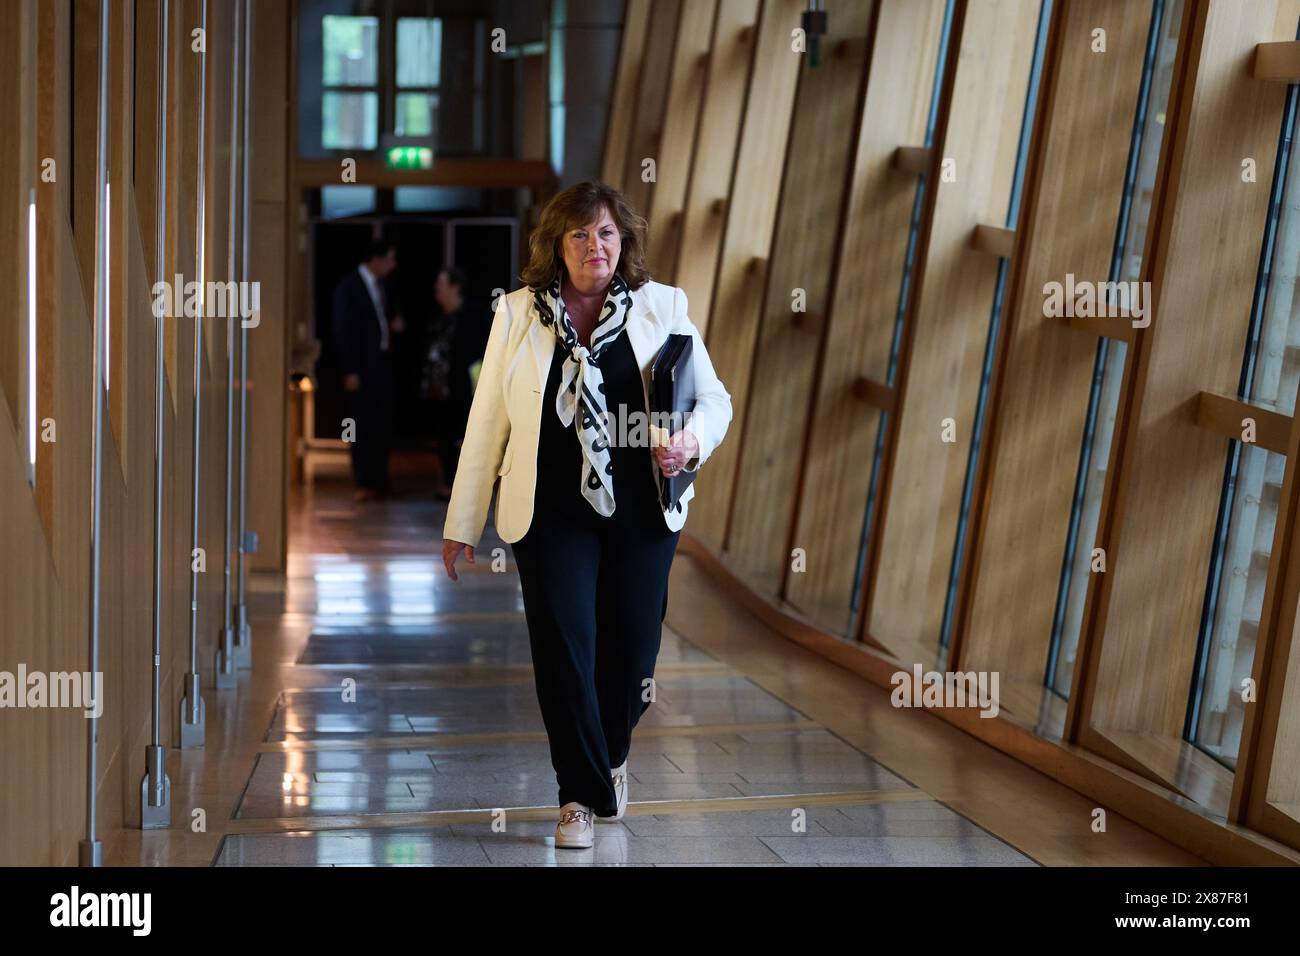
(372, 409)
(595, 596)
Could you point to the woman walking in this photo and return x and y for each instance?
(564, 378)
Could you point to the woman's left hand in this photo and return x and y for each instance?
(681, 448)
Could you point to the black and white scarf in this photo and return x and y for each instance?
(581, 384)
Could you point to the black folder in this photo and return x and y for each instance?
(672, 397)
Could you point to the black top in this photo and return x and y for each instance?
(460, 339)
(561, 463)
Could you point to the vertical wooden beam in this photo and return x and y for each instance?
(622, 112)
(686, 94)
(276, 263)
(942, 361)
(797, 301)
(705, 212)
(646, 140)
(1026, 477)
(742, 265)
(860, 331)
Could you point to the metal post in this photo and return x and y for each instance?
(156, 787)
(247, 539)
(90, 850)
(194, 716)
(200, 264)
(225, 663)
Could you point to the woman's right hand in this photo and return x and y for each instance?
(451, 551)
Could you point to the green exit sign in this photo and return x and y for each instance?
(409, 157)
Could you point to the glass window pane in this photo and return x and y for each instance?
(419, 51)
(1108, 373)
(1253, 489)
(1272, 369)
(417, 114)
(1108, 376)
(337, 202)
(349, 120)
(351, 51)
(435, 198)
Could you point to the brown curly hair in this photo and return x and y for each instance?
(577, 206)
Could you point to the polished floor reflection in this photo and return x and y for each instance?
(406, 731)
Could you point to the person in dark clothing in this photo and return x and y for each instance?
(363, 326)
(459, 342)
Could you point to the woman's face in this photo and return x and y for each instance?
(591, 252)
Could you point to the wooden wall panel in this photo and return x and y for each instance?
(84, 123)
(742, 266)
(121, 139)
(950, 316)
(1021, 519)
(677, 144)
(271, 206)
(1167, 506)
(44, 586)
(622, 108)
(16, 109)
(645, 140)
(813, 191)
(220, 65)
(1201, 250)
(54, 142)
(705, 213)
(865, 300)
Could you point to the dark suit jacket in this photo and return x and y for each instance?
(357, 335)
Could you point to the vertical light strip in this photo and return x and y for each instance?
(108, 285)
(31, 338)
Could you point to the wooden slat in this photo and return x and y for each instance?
(706, 205)
(622, 109)
(946, 331)
(812, 192)
(861, 326)
(913, 159)
(1223, 416)
(16, 108)
(272, 207)
(648, 109)
(1278, 61)
(52, 140)
(1043, 375)
(121, 227)
(742, 265)
(677, 145)
(994, 240)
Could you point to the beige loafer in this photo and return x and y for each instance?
(575, 829)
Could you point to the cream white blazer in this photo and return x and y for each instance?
(505, 416)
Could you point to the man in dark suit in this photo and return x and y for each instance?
(462, 340)
(363, 326)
